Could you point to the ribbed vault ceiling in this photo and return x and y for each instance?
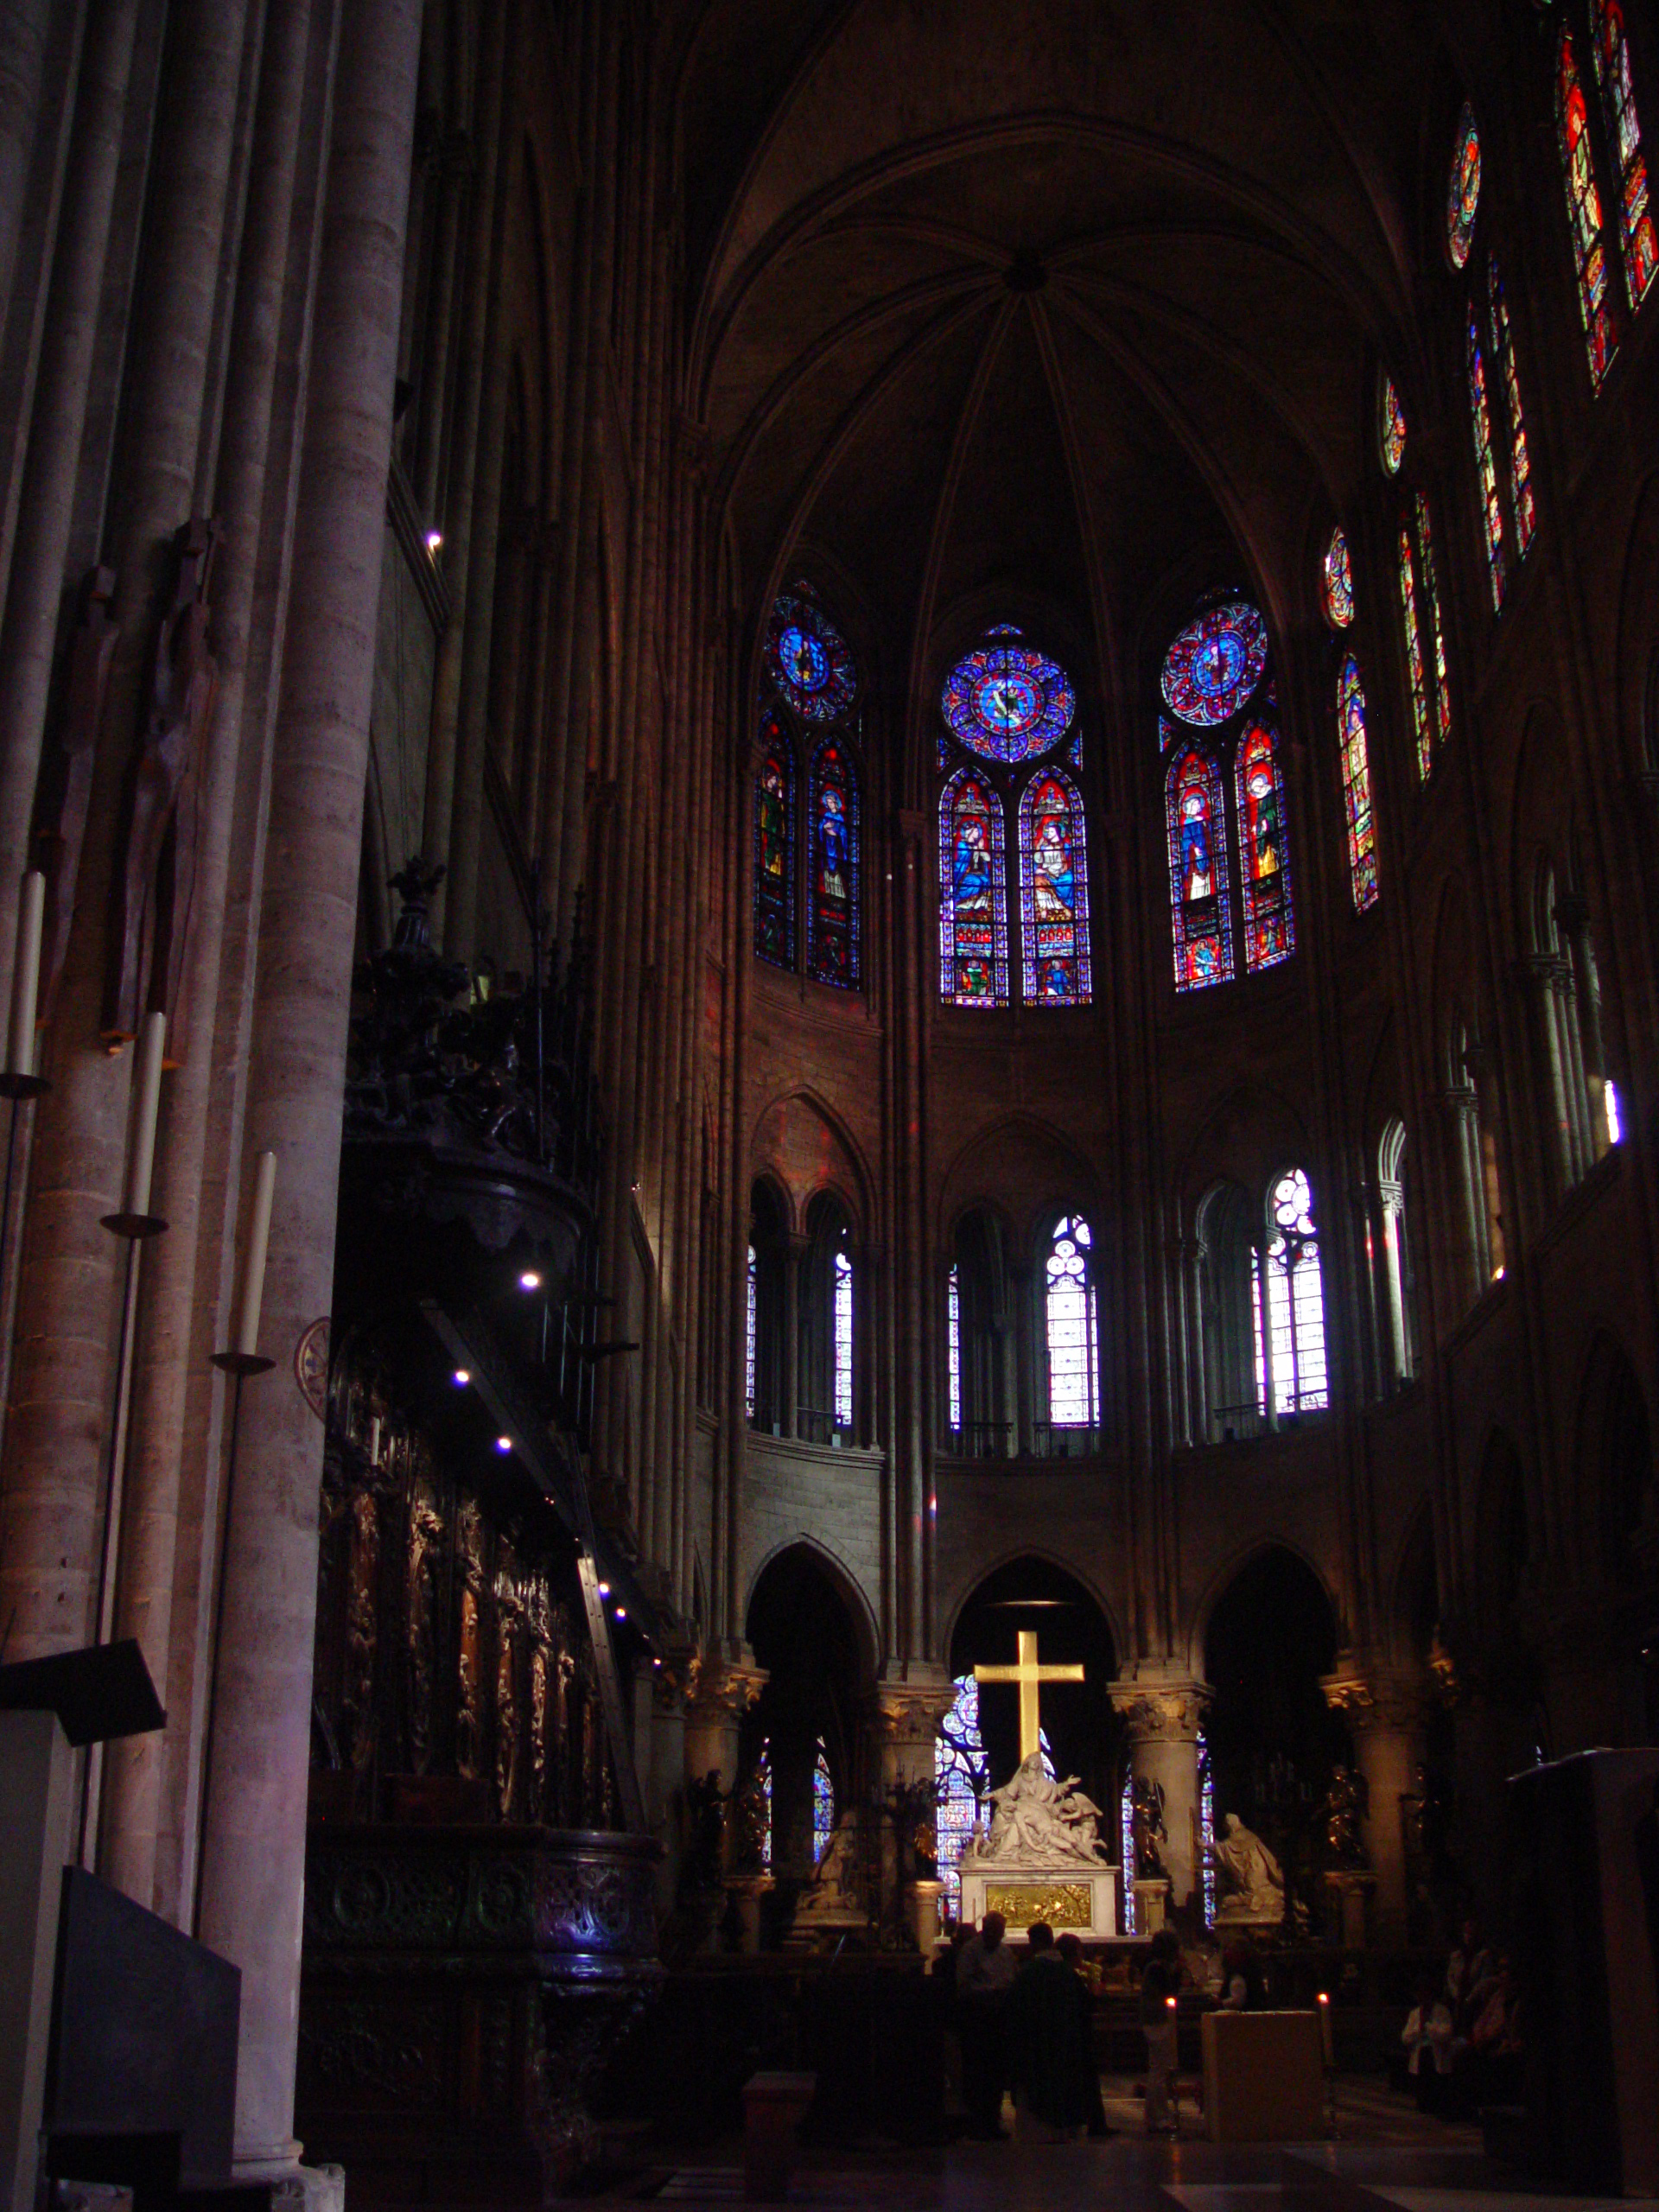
(1044, 296)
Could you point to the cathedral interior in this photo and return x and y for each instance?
(828, 830)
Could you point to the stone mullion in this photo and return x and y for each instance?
(253, 1884)
(62, 1380)
(459, 511)
(25, 30)
(732, 1444)
(144, 1596)
(1573, 914)
(910, 1245)
(454, 170)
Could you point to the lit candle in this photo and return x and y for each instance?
(253, 1265)
(26, 975)
(147, 1093)
(1325, 2026)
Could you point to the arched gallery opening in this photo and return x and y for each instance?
(806, 1736)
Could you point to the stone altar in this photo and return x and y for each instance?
(1043, 1859)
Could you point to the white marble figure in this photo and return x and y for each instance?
(1255, 1882)
(834, 1891)
(1037, 1822)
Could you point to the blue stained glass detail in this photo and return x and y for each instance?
(1200, 918)
(1216, 663)
(808, 660)
(1054, 893)
(774, 845)
(973, 894)
(823, 1805)
(833, 891)
(1009, 702)
(1264, 852)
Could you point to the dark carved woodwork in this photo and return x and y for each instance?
(67, 781)
(462, 1991)
(154, 878)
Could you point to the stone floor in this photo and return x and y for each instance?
(1383, 2157)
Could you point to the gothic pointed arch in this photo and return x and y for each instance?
(1053, 843)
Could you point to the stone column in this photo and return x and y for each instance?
(1018, 1334)
(1391, 1205)
(907, 1718)
(1163, 1709)
(1387, 1712)
(1548, 986)
(665, 1775)
(1468, 1175)
(1573, 917)
(796, 1249)
(720, 1692)
(254, 1818)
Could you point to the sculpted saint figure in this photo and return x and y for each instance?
(1255, 1880)
(1036, 1821)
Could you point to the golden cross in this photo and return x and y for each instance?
(1028, 1675)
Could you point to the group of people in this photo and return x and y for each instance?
(1461, 2045)
(1029, 2028)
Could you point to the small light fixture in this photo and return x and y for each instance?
(530, 1280)
(622, 1613)
(463, 1378)
(435, 541)
(656, 1662)
(604, 1589)
(504, 1444)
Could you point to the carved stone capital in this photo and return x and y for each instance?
(1153, 1711)
(911, 1712)
(719, 1690)
(1376, 1698)
(671, 1679)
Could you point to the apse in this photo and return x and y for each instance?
(1033, 1595)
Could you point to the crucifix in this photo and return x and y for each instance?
(1028, 1675)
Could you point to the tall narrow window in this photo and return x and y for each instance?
(832, 894)
(1463, 190)
(973, 896)
(1054, 893)
(1416, 671)
(750, 1316)
(1583, 211)
(953, 1343)
(824, 1804)
(774, 845)
(1198, 871)
(1264, 856)
(1072, 1329)
(1337, 581)
(1431, 611)
(1290, 1373)
(962, 1773)
(1491, 504)
(1356, 785)
(1612, 57)
(1507, 377)
(843, 1346)
(1390, 425)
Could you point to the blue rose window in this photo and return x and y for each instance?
(1009, 702)
(1216, 663)
(809, 661)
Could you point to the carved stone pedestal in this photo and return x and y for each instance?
(1151, 1906)
(925, 1908)
(460, 1991)
(745, 1892)
(1349, 1893)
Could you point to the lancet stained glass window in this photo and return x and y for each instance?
(1463, 191)
(962, 1773)
(1416, 671)
(1337, 581)
(953, 1343)
(973, 894)
(1486, 466)
(832, 894)
(1072, 1328)
(1264, 856)
(1053, 892)
(844, 1337)
(1611, 53)
(824, 1804)
(1198, 871)
(774, 844)
(1356, 785)
(1391, 426)
(1432, 608)
(1290, 1368)
(1522, 508)
(750, 1317)
(1583, 210)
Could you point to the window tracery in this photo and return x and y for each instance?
(1289, 1303)
(1583, 210)
(1053, 892)
(809, 687)
(1356, 785)
(1480, 418)
(1071, 1327)
(1609, 53)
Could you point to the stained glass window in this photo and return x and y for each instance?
(1583, 210)
(763, 1772)
(1337, 581)
(1522, 506)
(832, 896)
(953, 1343)
(1126, 1845)
(973, 894)
(1356, 785)
(962, 1773)
(1436, 627)
(749, 1325)
(1611, 56)
(1264, 854)
(774, 845)
(1072, 1329)
(1486, 466)
(1391, 426)
(808, 660)
(1416, 671)
(1207, 1830)
(1216, 663)
(1198, 871)
(1009, 702)
(1054, 893)
(824, 1804)
(1290, 1349)
(843, 1338)
(1463, 192)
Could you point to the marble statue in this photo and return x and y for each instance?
(1039, 1822)
(1255, 1880)
(835, 1892)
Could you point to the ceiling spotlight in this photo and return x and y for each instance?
(622, 1613)
(504, 1444)
(530, 1280)
(604, 1589)
(434, 541)
(463, 1378)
